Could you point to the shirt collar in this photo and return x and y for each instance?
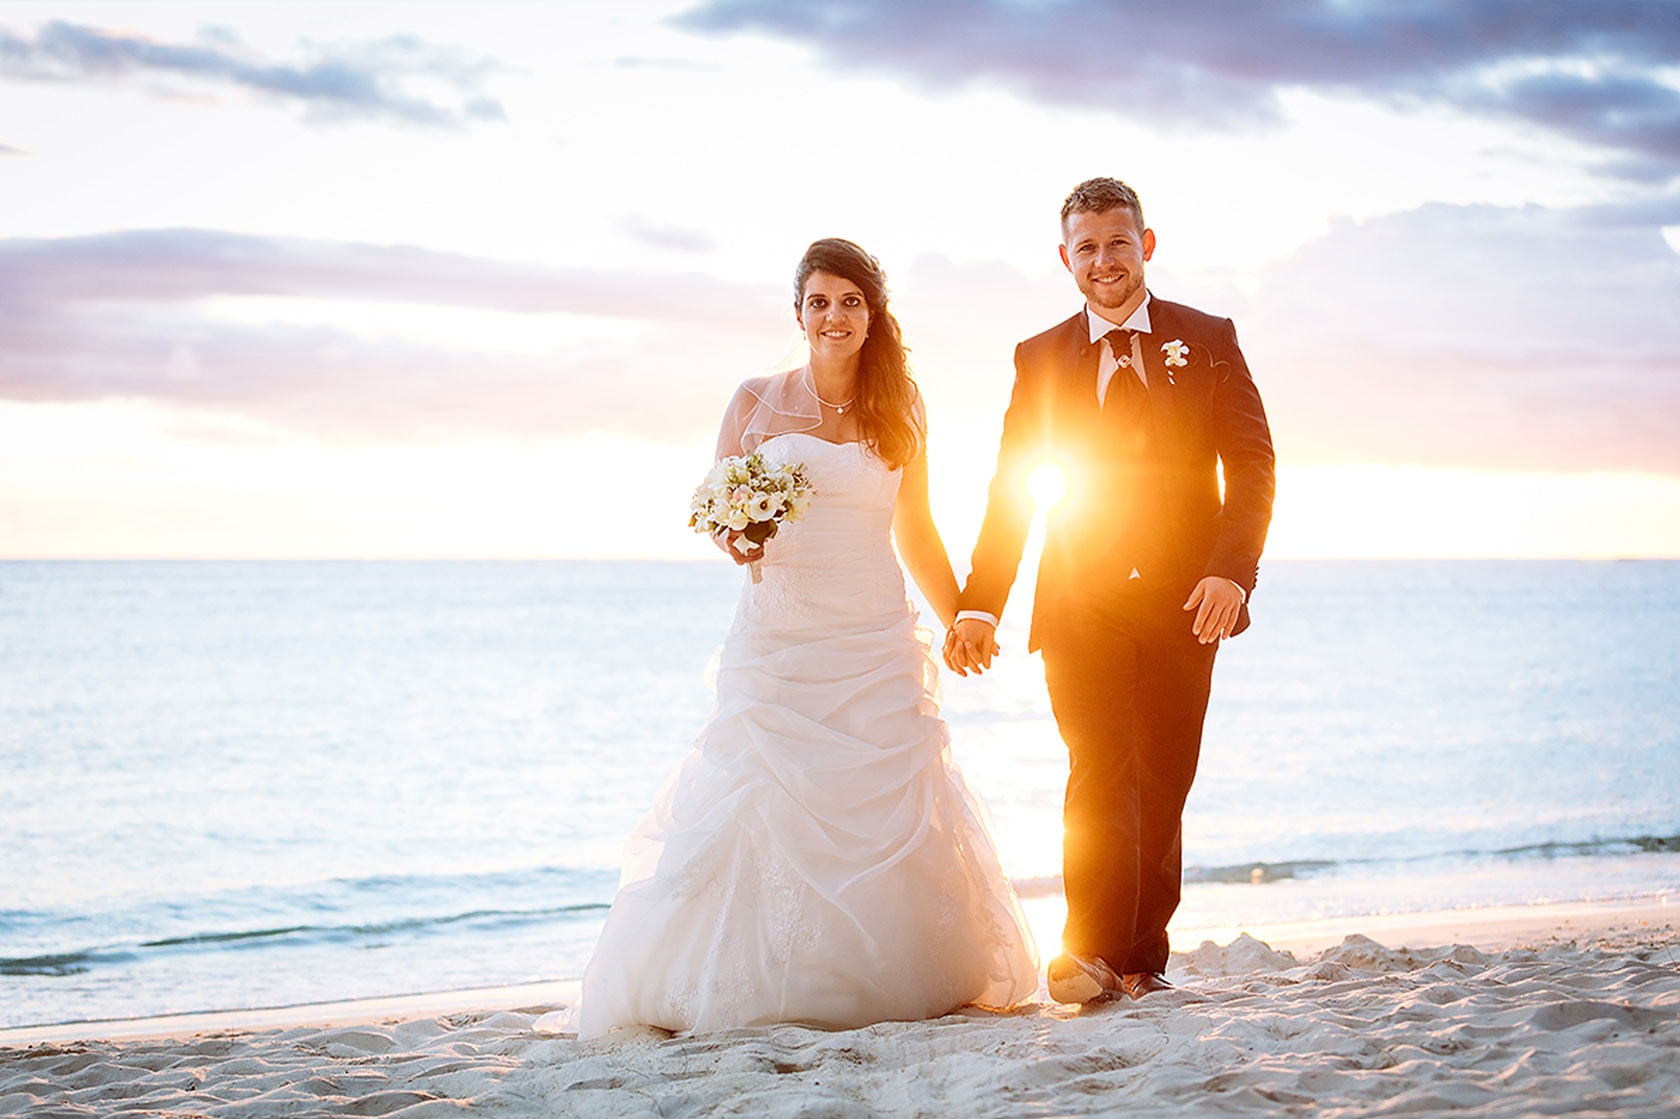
(1137, 320)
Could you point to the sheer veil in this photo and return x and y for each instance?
(778, 404)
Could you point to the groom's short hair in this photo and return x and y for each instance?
(1099, 196)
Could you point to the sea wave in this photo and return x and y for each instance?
(379, 909)
(84, 960)
(63, 963)
(1260, 872)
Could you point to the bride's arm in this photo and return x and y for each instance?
(731, 435)
(919, 544)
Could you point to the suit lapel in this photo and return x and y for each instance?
(1160, 330)
(1074, 375)
(1163, 413)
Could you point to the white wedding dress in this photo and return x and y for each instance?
(817, 858)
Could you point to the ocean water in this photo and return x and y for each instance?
(246, 784)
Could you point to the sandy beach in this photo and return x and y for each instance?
(1525, 1011)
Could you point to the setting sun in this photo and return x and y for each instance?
(1047, 485)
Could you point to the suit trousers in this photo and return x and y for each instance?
(1129, 685)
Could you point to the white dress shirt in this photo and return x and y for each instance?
(1107, 363)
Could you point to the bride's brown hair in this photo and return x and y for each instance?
(888, 416)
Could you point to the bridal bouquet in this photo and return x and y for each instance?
(748, 495)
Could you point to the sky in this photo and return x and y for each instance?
(295, 280)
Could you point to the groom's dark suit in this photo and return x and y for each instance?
(1128, 679)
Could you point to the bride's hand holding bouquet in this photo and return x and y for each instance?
(745, 500)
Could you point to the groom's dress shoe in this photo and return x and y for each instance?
(1139, 983)
(1082, 979)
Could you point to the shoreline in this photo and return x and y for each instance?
(1552, 1009)
(1491, 928)
(332, 1013)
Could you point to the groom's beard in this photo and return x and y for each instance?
(1111, 297)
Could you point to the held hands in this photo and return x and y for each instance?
(970, 645)
(1216, 601)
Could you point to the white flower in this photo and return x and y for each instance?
(745, 490)
(1175, 351)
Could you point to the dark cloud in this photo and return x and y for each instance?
(1585, 70)
(336, 81)
(119, 315)
(1630, 113)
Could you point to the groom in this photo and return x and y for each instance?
(1146, 567)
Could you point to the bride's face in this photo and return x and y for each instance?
(834, 315)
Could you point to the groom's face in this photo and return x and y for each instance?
(1105, 252)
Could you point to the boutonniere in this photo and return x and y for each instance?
(1176, 352)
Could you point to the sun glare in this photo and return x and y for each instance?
(1047, 485)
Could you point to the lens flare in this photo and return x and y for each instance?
(1047, 485)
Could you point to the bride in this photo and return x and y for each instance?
(818, 858)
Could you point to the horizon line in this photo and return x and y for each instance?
(1559, 558)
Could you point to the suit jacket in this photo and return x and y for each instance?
(1142, 492)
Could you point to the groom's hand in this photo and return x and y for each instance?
(970, 645)
(1216, 601)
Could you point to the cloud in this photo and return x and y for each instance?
(661, 236)
(172, 265)
(1475, 336)
(1630, 112)
(5, 150)
(1451, 336)
(640, 62)
(370, 80)
(1588, 71)
(123, 315)
(1521, 339)
(1646, 214)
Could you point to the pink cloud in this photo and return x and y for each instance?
(1475, 336)
(116, 316)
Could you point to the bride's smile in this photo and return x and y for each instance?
(835, 317)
